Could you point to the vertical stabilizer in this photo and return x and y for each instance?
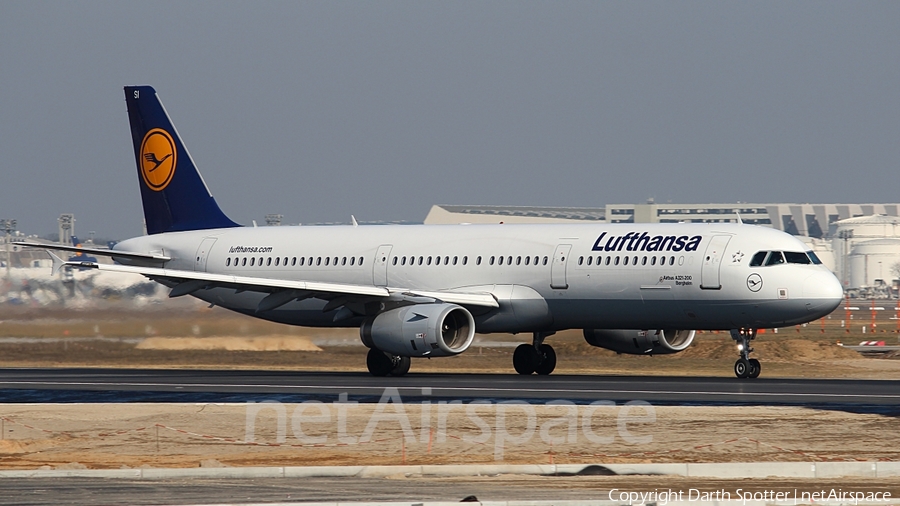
(174, 195)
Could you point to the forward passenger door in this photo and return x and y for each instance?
(712, 261)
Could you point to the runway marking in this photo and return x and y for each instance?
(460, 389)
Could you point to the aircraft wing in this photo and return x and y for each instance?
(97, 251)
(190, 281)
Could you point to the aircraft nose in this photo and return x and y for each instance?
(826, 289)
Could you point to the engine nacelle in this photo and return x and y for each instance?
(640, 342)
(420, 330)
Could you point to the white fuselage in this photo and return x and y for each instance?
(551, 277)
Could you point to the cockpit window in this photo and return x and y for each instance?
(793, 257)
(775, 258)
(758, 258)
(814, 258)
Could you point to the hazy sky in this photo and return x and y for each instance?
(317, 110)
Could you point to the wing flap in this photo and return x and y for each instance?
(471, 299)
(245, 282)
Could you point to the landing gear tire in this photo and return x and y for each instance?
(742, 368)
(379, 363)
(745, 367)
(526, 359)
(548, 360)
(755, 368)
(401, 366)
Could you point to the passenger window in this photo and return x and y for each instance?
(318, 261)
(814, 258)
(775, 258)
(478, 260)
(301, 260)
(518, 260)
(625, 261)
(455, 260)
(344, 260)
(327, 260)
(793, 257)
(652, 260)
(492, 261)
(228, 262)
(285, 261)
(634, 260)
(545, 261)
(499, 260)
(644, 261)
(335, 261)
(276, 261)
(428, 262)
(260, 261)
(352, 260)
(465, 260)
(580, 260)
(527, 260)
(671, 260)
(244, 262)
(394, 261)
(446, 260)
(360, 260)
(508, 260)
(758, 258)
(252, 261)
(310, 261)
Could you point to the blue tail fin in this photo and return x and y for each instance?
(173, 192)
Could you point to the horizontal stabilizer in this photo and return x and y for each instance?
(97, 251)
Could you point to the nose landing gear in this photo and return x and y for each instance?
(537, 357)
(745, 367)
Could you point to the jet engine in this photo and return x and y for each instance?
(640, 342)
(420, 330)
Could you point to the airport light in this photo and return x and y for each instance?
(9, 226)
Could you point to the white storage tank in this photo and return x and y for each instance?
(846, 234)
(874, 260)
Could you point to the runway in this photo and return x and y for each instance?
(60, 385)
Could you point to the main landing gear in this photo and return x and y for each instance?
(536, 357)
(384, 364)
(745, 367)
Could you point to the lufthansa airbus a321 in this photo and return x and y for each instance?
(425, 290)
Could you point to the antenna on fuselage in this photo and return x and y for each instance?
(353, 219)
(739, 220)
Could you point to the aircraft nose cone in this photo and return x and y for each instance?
(825, 289)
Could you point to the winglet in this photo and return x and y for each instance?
(58, 263)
